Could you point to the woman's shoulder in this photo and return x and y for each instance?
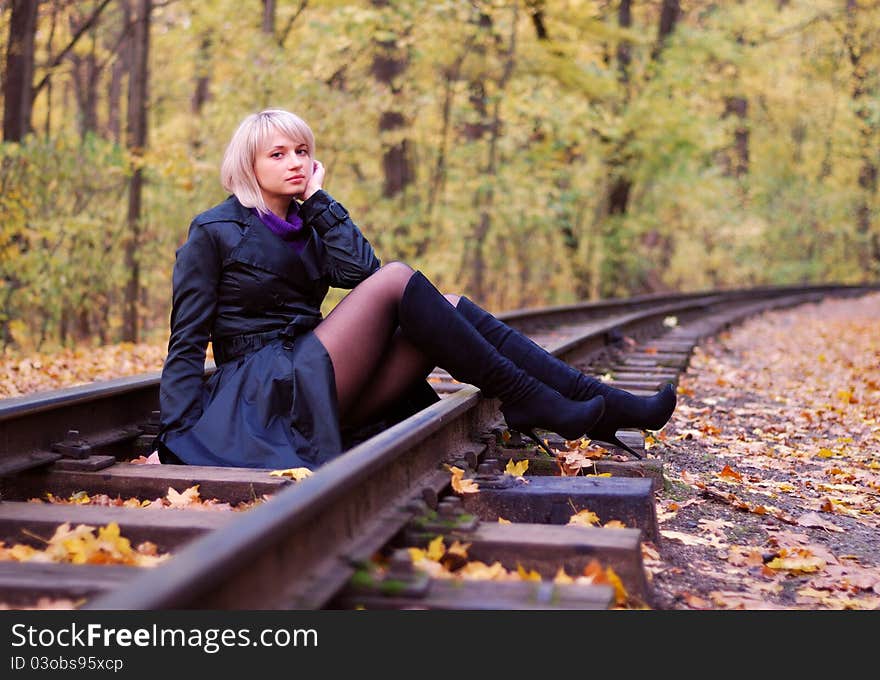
(230, 210)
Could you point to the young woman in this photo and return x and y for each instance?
(290, 385)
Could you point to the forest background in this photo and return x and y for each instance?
(526, 153)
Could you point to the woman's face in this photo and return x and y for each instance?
(283, 168)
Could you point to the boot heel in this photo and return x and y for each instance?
(531, 435)
(613, 439)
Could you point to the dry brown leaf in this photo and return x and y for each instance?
(814, 519)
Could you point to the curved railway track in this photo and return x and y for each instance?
(340, 538)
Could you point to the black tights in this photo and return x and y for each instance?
(374, 364)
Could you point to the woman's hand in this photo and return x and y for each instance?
(316, 181)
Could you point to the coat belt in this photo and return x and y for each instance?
(236, 346)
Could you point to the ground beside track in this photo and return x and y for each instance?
(772, 462)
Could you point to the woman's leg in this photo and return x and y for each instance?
(373, 363)
(358, 333)
(397, 370)
(401, 366)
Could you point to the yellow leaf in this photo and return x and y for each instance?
(436, 549)
(458, 549)
(803, 563)
(562, 577)
(296, 474)
(417, 554)
(21, 552)
(459, 483)
(620, 594)
(501, 520)
(584, 518)
(516, 469)
(483, 572)
(527, 575)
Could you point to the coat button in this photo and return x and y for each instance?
(287, 344)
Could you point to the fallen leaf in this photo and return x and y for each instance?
(296, 474)
(814, 519)
(460, 484)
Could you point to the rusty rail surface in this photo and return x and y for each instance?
(312, 544)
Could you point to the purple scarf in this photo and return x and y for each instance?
(290, 230)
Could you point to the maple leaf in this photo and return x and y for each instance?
(480, 571)
(458, 548)
(687, 539)
(417, 554)
(189, 497)
(455, 556)
(561, 577)
(459, 483)
(527, 574)
(572, 462)
(804, 562)
(594, 572)
(584, 518)
(516, 469)
(729, 472)
(436, 549)
(296, 474)
(814, 519)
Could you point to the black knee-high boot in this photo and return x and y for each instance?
(448, 339)
(622, 409)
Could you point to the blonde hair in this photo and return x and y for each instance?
(237, 169)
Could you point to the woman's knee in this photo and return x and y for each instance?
(399, 271)
(394, 275)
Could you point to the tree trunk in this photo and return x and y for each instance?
(624, 55)
(864, 97)
(670, 11)
(18, 96)
(137, 140)
(536, 14)
(390, 62)
(484, 197)
(121, 66)
(85, 74)
(268, 25)
(736, 161)
(201, 92)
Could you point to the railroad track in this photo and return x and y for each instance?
(344, 536)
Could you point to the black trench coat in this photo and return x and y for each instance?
(271, 403)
